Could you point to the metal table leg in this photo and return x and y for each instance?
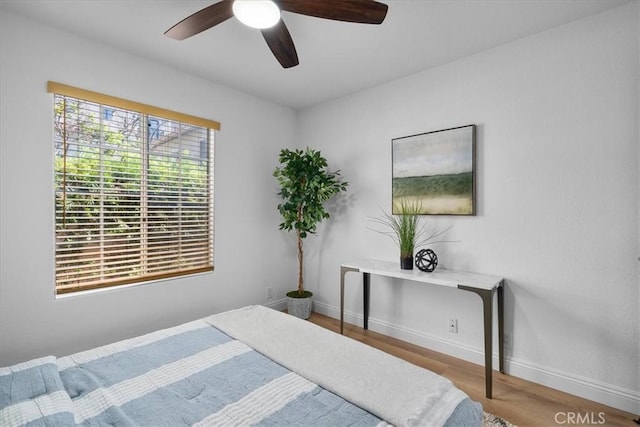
(343, 271)
(366, 288)
(501, 326)
(487, 308)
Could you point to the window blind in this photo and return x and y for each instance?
(133, 196)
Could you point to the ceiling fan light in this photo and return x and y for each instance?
(257, 13)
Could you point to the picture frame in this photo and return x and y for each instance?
(435, 171)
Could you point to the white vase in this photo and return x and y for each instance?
(299, 307)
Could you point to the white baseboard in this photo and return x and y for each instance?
(607, 394)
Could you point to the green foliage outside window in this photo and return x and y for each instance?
(121, 208)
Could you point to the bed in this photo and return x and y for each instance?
(250, 366)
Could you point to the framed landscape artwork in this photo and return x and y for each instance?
(435, 171)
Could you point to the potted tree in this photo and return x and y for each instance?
(305, 185)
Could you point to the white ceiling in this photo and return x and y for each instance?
(336, 58)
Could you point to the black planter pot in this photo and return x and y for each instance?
(406, 263)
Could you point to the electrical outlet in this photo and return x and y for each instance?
(453, 326)
(508, 340)
(269, 293)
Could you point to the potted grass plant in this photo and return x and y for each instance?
(407, 230)
(305, 185)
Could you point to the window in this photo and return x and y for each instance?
(108, 113)
(133, 191)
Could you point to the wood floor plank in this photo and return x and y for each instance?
(521, 402)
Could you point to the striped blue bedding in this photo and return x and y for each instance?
(192, 374)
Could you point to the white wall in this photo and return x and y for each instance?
(250, 253)
(558, 185)
(638, 89)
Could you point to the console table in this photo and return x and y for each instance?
(483, 285)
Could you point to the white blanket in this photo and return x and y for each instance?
(396, 391)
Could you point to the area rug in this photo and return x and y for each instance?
(491, 420)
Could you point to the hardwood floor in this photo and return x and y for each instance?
(521, 402)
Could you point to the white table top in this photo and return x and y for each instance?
(440, 276)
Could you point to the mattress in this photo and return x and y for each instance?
(251, 366)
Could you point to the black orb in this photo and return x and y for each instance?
(426, 260)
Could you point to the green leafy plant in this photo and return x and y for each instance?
(305, 185)
(406, 229)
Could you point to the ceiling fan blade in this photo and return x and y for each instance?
(201, 20)
(361, 11)
(281, 44)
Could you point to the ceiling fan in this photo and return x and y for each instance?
(265, 15)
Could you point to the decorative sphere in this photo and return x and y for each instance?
(426, 260)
